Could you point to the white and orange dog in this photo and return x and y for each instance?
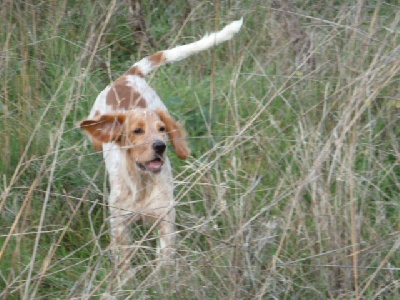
(132, 126)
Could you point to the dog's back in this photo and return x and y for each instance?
(131, 89)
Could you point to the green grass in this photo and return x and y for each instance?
(292, 189)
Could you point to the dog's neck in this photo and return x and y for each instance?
(139, 182)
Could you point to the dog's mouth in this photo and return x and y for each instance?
(153, 166)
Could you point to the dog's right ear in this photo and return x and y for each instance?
(105, 128)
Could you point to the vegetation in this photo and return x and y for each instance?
(292, 189)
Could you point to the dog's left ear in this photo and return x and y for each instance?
(176, 134)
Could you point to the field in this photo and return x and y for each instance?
(292, 189)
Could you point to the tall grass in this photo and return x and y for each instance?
(292, 190)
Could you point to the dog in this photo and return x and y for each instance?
(132, 126)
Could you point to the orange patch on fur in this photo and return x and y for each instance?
(122, 96)
(157, 58)
(135, 70)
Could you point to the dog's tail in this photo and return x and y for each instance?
(149, 63)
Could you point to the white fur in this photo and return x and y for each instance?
(181, 52)
(208, 41)
(139, 84)
(145, 65)
(132, 191)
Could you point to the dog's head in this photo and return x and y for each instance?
(142, 133)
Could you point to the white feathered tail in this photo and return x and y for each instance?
(149, 63)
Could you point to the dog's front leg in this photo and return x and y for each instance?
(120, 237)
(167, 237)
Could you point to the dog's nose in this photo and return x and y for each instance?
(159, 147)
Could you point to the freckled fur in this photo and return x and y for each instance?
(129, 122)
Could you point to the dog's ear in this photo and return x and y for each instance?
(105, 128)
(176, 134)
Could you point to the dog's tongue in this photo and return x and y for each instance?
(154, 165)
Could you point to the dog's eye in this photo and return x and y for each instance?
(162, 129)
(138, 131)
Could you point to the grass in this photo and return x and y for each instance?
(292, 190)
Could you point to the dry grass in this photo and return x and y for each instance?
(293, 188)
